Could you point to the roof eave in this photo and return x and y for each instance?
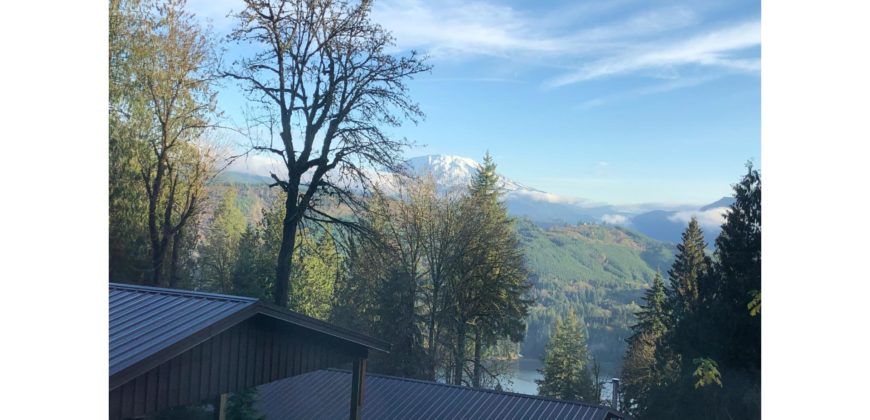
(322, 327)
(128, 373)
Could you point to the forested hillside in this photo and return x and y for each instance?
(599, 271)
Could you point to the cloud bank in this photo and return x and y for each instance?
(708, 219)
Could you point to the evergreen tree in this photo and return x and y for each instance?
(566, 370)
(317, 262)
(639, 372)
(738, 276)
(503, 306)
(678, 349)
(253, 270)
(710, 358)
(687, 273)
(355, 289)
(440, 276)
(652, 318)
(397, 323)
(690, 264)
(490, 284)
(731, 333)
(220, 250)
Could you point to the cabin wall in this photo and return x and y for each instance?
(254, 352)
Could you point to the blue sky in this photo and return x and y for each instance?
(617, 101)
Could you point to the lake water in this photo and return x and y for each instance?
(524, 372)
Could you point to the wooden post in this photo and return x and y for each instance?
(220, 407)
(357, 388)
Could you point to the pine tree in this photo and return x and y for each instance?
(566, 368)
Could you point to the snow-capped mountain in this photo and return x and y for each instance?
(659, 221)
(450, 171)
(664, 222)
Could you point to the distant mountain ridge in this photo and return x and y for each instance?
(548, 209)
(598, 271)
(658, 221)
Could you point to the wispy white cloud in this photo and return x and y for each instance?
(478, 28)
(708, 219)
(615, 219)
(474, 79)
(574, 43)
(657, 88)
(715, 48)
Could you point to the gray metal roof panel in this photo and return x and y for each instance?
(144, 320)
(325, 394)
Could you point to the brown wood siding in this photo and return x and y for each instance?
(257, 351)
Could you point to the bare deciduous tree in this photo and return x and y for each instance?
(327, 85)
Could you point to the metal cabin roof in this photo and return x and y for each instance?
(148, 325)
(144, 320)
(323, 395)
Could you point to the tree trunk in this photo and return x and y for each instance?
(157, 250)
(156, 263)
(285, 253)
(477, 348)
(459, 355)
(173, 267)
(433, 348)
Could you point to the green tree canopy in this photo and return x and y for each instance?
(567, 374)
(219, 253)
(639, 371)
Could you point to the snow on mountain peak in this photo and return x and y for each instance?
(448, 170)
(452, 171)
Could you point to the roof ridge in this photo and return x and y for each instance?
(467, 388)
(180, 292)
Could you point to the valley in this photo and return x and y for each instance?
(577, 261)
